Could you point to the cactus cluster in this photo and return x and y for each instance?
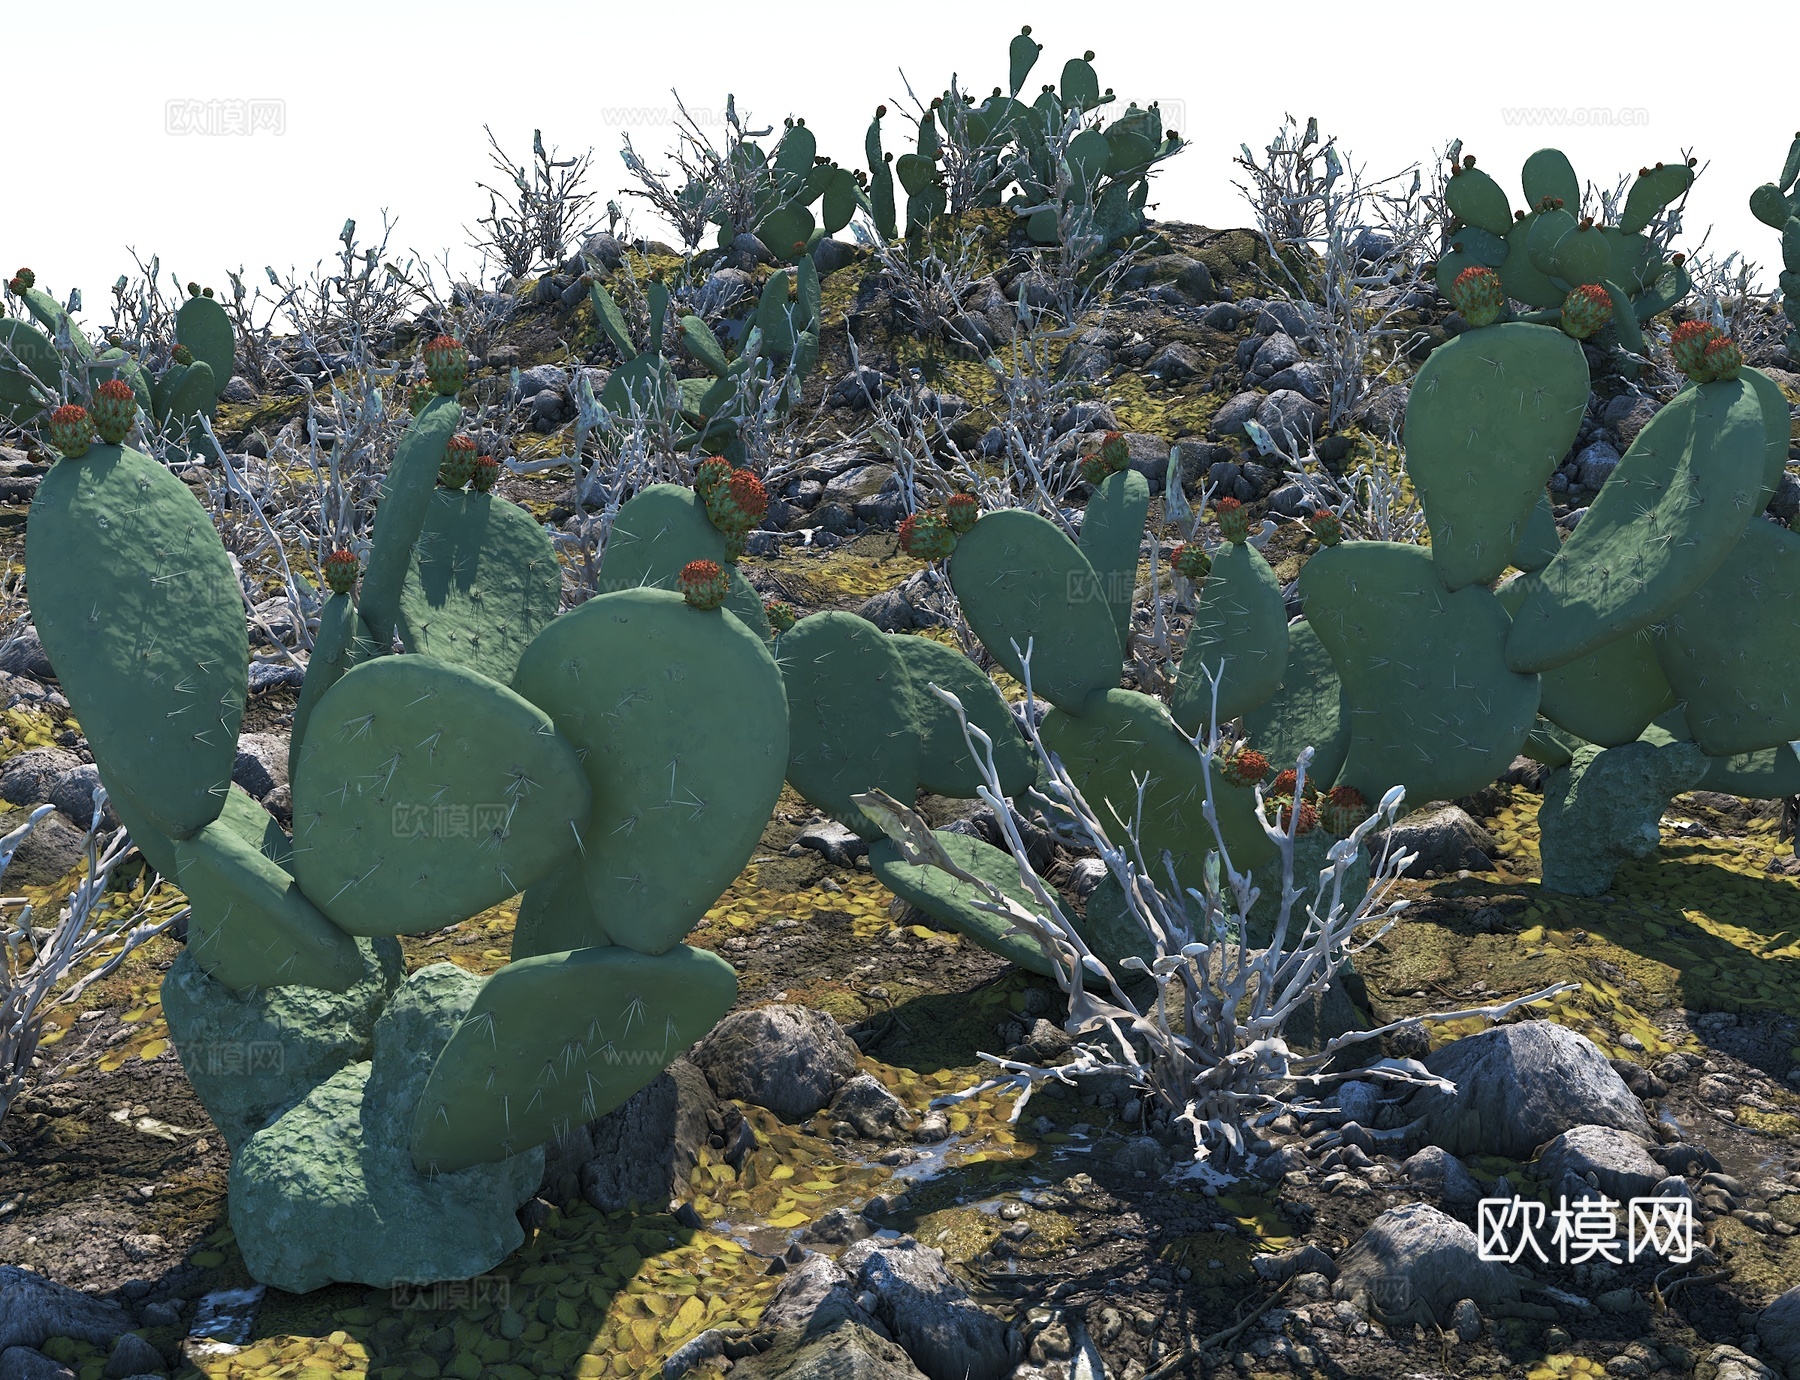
(35, 378)
(1777, 205)
(1560, 263)
(1108, 162)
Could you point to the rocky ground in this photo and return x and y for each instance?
(787, 1202)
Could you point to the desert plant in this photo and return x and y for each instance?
(542, 214)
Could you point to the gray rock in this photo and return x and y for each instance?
(1290, 501)
(1595, 463)
(540, 378)
(22, 1363)
(1222, 316)
(162, 1313)
(1465, 1320)
(1778, 1328)
(1356, 1101)
(133, 1356)
(722, 291)
(1278, 315)
(1177, 360)
(16, 690)
(873, 1111)
(1785, 504)
(889, 610)
(886, 509)
(28, 777)
(1436, 1168)
(1616, 1158)
(1627, 415)
(973, 332)
(847, 1352)
(1296, 1260)
(786, 1058)
(549, 410)
(266, 676)
(860, 388)
(1728, 1363)
(1518, 1086)
(814, 1297)
(604, 249)
(747, 251)
(53, 846)
(1415, 1264)
(1304, 377)
(1274, 354)
(839, 845)
(927, 1312)
(1383, 412)
(1224, 476)
(854, 485)
(830, 255)
(1287, 414)
(1083, 417)
(1142, 1155)
(1445, 837)
(262, 763)
(34, 1309)
(1233, 413)
(1084, 875)
(23, 655)
(640, 1152)
(73, 794)
(237, 389)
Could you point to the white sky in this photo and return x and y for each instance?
(383, 102)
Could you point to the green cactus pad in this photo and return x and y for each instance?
(559, 1040)
(1548, 173)
(1121, 733)
(660, 530)
(203, 326)
(1112, 529)
(250, 925)
(1731, 649)
(484, 581)
(1489, 418)
(1607, 697)
(343, 640)
(1475, 197)
(23, 351)
(242, 814)
(1777, 421)
(558, 903)
(1521, 278)
(1651, 192)
(954, 902)
(1666, 519)
(944, 764)
(1540, 541)
(1308, 711)
(141, 615)
(850, 708)
(406, 496)
(1549, 744)
(425, 793)
(679, 718)
(1239, 633)
(1020, 579)
(1433, 707)
(1768, 774)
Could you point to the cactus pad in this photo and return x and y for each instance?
(1490, 416)
(679, 718)
(484, 581)
(1112, 529)
(558, 1040)
(425, 793)
(1308, 711)
(658, 532)
(1433, 707)
(1239, 633)
(406, 499)
(944, 764)
(1665, 521)
(1019, 579)
(141, 615)
(954, 901)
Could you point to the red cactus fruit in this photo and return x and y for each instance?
(22, 282)
(341, 570)
(1234, 522)
(710, 473)
(1344, 808)
(1477, 294)
(1309, 817)
(1190, 561)
(1687, 346)
(1115, 451)
(458, 466)
(961, 511)
(1585, 310)
(736, 505)
(1246, 767)
(1093, 470)
(1283, 783)
(182, 355)
(114, 411)
(1326, 526)
(487, 472)
(704, 584)
(780, 615)
(446, 364)
(926, 537)
(1722, 359)
(71, 431)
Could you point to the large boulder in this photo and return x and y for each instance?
(34, 1309)
(925, 1310)
(1445, 837)
(788, 1059)
(1414, 1264)
(1778, 1329)
(1518, 1086)
(328, 1192)
(641, 1152)
(1618, 1160)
